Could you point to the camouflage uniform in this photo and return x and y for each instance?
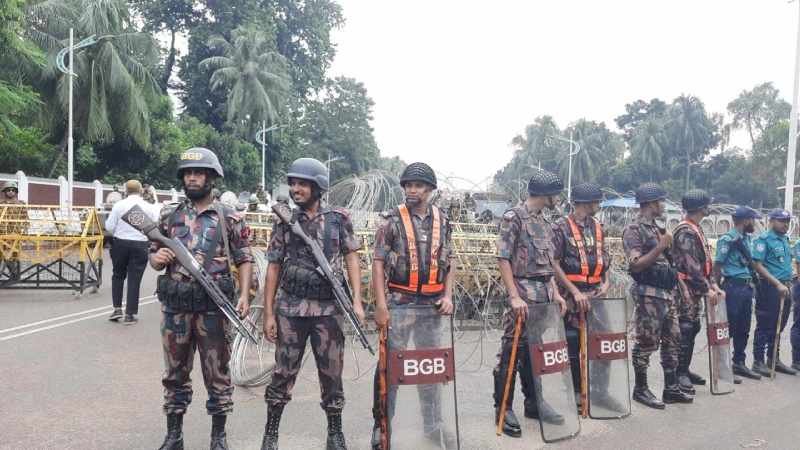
(18, 215)
(300, 318)
(568, 254)
(261, 195)
(391, 247)
(656, 309)
(205, 328)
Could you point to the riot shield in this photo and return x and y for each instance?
(607, 358)
(421, 380)
(552, 377)
(719, 348)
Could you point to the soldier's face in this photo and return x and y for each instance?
(301, 190)
(197, 182)
(749, 225)
(553, 200)
(10, 193)
(593, 208)
(417, 191)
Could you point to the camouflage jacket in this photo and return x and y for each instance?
(284, 247)
(391, 247)
(638, 239)
(261, 195)
(525, 239)
(13, 220)
(691, 255)
(196, 231)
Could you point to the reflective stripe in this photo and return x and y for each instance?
(584, 277)
(685, 276)
(431, 287)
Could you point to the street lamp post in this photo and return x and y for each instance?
(790, 160)
(571, 154)
(261, 139)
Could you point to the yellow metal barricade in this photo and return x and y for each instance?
(50, 247)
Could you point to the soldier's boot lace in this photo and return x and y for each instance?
(219, 439)
(510, 423)
(672, 392)
(174, 439)
(270, 441)
(335, 435)
(780, 367)
(642, 394)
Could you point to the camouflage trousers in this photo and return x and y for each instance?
(327, 344)
(656, 323)
(689, 310)
(181, 334)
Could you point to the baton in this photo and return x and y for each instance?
(510, 376)
(777, 338)
(584, 406)
(382, 397)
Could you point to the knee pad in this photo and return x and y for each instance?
(687, 328)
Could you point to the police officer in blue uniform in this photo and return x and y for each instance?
(773, 261)
(730, 263)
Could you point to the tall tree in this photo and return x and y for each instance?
(650, 143)
(689, 130)
(758, 110)
(113, 81)
(256, 78)
(636, 113)
(596, 146)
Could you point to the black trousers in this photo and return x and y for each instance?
(129, 259)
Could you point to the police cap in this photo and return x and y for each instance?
(780, 214)
(745, 212)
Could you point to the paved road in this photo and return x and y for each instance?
(87, 383)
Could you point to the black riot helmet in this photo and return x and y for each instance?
(695, 199)
(418, 172)
(650, 192)
(201, 158)
(544, 182)
(587, 192)
(310, 169)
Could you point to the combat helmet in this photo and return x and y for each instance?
(418, 172)
(587, 192)
(9, 185)
(650, 192)
(199, 157)
(309, 169)
(544, 182)
(253, 200)
(695, 199)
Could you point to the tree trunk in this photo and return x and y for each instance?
(64, 143)
(168, 65)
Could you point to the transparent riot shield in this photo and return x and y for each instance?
(552, 377)
(719, 347)
(421, 380)
(607, 359)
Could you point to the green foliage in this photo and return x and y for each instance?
(28, 150)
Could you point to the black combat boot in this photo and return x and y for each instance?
(684, 356)
(335, 435)
(693, 377)
(510, 423)
(672, 392)
(780, 367)
(642, 394)
(270, 441)
(743, 371)
(761, 368)
(377, 414)
(174, 439)
(219, 439)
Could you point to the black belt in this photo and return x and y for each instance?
(540, 279)
(737, 281)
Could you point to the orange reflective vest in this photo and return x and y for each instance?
(584, 276)
(685, 276)
(430, 286)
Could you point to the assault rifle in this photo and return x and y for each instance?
(137, 218)
(747, 260)
(343, 299)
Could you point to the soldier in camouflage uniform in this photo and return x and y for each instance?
(391, 260)
(646, 249)
(147, 194)
(261, 194)
(525, 255)
(13, 223)
(693, 261)
(579, 277)
(191, 319)
(306, 307)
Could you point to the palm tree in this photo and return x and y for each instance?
(256, 76)
(688, 128)
(113, 81)
(591, 157)
(650, 143)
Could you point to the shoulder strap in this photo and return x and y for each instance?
(327, 248)
(226, 240)
(171, 217)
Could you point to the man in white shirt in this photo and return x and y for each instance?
(128, 252)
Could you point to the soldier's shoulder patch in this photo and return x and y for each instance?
(340, 210)
(760, 246)
(245, 232)
(724, 249)
(510, 214)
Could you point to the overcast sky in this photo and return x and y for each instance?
(453, 82)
